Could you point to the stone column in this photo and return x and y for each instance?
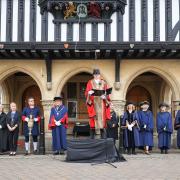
(47, 104)
(119, 106)
(6, 107)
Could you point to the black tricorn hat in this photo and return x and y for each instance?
(128, 103)
(57, 98)
(144, 102)
(96, 71)
(163, 105)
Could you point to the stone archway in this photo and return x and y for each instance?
(10, 71)
(14, 81)
(159, 88)
(75, 99)
(72, 73)
(165, 75)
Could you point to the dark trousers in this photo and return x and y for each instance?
(35, 138)
(164, 148)
(13, 138)
(131, 142)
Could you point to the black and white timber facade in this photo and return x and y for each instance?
(134, 28)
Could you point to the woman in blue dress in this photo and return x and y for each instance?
(164, 128)
(146, 127)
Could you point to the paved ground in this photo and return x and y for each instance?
(155, 166)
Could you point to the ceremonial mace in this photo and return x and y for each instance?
(30, 126)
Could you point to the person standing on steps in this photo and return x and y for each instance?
(97, 105)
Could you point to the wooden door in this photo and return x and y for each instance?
(32, 91)
(138, 94)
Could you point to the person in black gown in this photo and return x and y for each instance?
(3, 131)
(131, 129)
(112, 125)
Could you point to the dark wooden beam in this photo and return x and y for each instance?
(117, 67)
(48, 61)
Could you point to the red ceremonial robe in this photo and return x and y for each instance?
(91, 106)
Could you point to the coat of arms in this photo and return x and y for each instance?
(82, 10)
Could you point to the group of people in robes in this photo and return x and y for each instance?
(9, 127)
(30, 116)
(137, 125)
(138, 128)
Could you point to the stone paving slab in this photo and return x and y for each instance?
(39, 167)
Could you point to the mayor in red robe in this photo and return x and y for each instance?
(97, 106)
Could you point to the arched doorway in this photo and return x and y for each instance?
(138, 94)
(17, 87)
(152, 87)
(32, 91)
(73, 92)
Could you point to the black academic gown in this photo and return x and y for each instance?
(3, 133)
(112, 132)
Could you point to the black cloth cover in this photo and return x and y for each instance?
(81, 129)
(92, 150)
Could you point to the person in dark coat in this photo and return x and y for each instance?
(164, 128)
(112, 125)
(31, 114)
(13, 121)
(3, 131)
(177, 127)
(131, 129)
(146, 127)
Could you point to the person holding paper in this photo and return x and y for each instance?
(146, 127)
(164, 128)
(130, 124)
(31, 113)
(58, 123)
(97, 104)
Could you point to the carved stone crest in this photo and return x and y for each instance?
(82, 11)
